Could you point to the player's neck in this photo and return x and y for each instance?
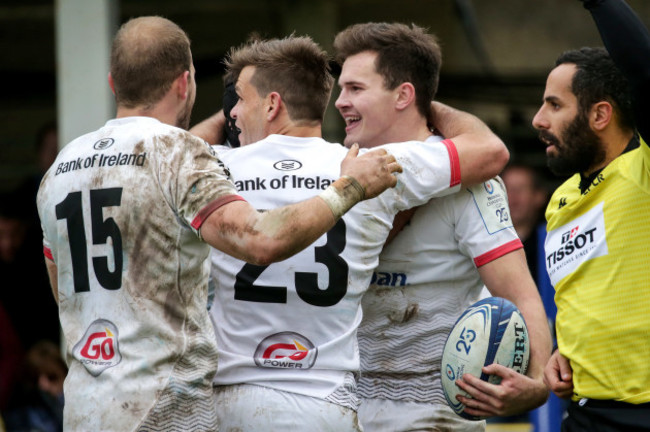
(304, 130)
(409, 131)
(169, 117)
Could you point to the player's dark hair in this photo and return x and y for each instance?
(295, 67)
(404, 54)
(147, 55)
(598, 79)
(229, 102)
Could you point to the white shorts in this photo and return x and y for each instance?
(385, 415)
(252, 408)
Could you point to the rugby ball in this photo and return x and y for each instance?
(491, 330)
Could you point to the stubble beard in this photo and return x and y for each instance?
(184, 117)
(578, 151)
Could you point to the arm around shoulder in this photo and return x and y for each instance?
(261, 238)
(481, 153)
(212, 129)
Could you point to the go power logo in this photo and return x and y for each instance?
(570, 245)
(286, 350)
(98, 349)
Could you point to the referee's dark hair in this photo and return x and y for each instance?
(598, 79)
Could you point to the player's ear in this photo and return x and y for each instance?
(600, 115)
(182, 84)
(273, 105)
(405, 95)
(111, 84)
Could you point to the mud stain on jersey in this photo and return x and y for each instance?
(345, 412)
(138, 147)
(405, 315)
(133, 407)
(151, 267)
(174, 310)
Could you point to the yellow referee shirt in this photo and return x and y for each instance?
(598, 259)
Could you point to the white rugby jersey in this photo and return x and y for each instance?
(427, 276)
(120, 210)
(292, 325)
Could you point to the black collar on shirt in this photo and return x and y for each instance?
(587, 181)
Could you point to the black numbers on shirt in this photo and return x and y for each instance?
(71, 209)
(306, 282)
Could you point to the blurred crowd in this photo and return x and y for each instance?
(32, 368)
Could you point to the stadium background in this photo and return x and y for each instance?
(496, 55)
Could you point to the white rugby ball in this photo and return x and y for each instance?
(491, 330)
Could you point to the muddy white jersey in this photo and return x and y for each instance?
(426, 278)
(120, 209)
(292, 325)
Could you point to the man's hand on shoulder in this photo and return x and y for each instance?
(373, 171)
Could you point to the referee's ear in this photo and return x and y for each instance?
(600, 115)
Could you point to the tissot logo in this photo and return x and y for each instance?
(583, 240)
(103, 144)
(570, 234)
(287, 165)
(575, 243)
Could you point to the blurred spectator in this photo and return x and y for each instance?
(527, 197)
(46, 148)
(25, 290)
(11, 356)
(37, 404)
(13, 228)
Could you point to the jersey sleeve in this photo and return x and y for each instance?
(47, 249)
(628, 42)
(196, 181)
(430, 170)
(483, 225)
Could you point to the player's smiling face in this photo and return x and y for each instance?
(249, 110)
(364, 102)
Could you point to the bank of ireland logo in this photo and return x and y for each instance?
(103, 144)
(99, 348)
(286, 350)
(488, 187)
(287, 165)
